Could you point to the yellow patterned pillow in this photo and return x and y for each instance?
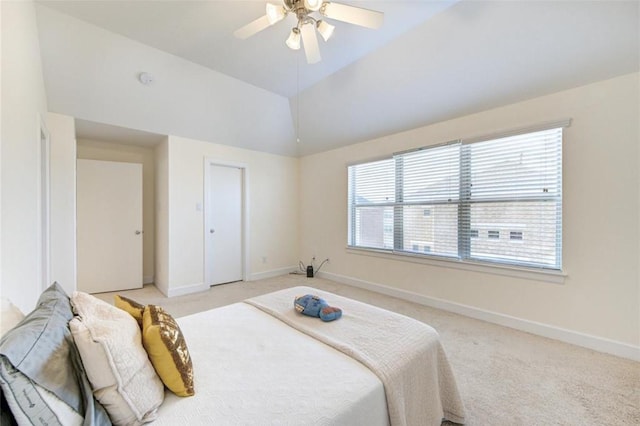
(167, 350)
(133, 308)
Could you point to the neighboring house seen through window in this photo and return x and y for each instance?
(515, 235)
(462, 200)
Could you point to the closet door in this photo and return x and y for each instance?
(223, 225)
(109, 225)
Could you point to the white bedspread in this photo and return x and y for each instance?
(405, 353)
(252, 369)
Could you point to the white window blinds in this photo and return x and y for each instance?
(428, 211)
(514, 189)
(497, 200)
(372, 194)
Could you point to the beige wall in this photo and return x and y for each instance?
(23, 101)
(273, 210)
(162, 217)
(100, 150)
(62, 133)
(600, 295)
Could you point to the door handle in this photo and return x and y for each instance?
(138, 232)
(211, 231)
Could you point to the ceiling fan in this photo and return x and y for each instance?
(307, 25)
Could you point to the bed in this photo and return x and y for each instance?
(260, 362)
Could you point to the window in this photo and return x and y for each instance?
(472, 191)
(515, 235)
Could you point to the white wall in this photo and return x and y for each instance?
(106, 151)
(23, 98)
(62, 135)
(600, 296)
(273, 210)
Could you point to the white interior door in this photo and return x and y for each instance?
(223, 225)
(109, 225)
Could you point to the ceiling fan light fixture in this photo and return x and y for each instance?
(325, 29)
(313, 5)
(275, 13)
(293, 42)
(309, 24)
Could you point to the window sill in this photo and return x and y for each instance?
(555, 277)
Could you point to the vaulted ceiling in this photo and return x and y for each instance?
(430, 61)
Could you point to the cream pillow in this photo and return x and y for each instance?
(10, 316)
(121, 376)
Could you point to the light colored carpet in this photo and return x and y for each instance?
(505, 376)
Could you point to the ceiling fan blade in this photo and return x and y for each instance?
(353, 15)
(252, 27)
(310, 42)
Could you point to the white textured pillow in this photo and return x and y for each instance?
(10, 316)
(121, 375)
(64, 413)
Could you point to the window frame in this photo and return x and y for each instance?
(486, 265)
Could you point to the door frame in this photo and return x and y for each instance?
(244, 187)
(44, 203)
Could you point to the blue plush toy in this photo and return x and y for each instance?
(314, 306)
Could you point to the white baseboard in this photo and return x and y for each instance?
(187, 289)
(147, 279)
(272, 273)
(194, 288)
(599, 344)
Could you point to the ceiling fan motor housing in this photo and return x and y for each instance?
(302, 8)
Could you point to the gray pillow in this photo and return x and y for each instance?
(6, 418)
(42, 349)
(24, 400)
